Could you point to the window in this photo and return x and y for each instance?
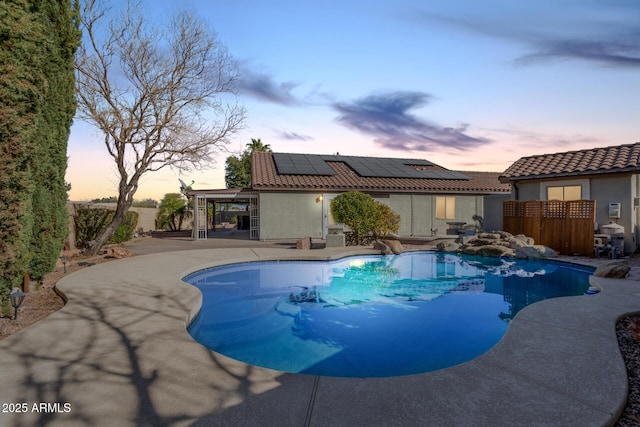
(565, 192)
(445, 207)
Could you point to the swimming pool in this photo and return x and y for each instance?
(370, 316)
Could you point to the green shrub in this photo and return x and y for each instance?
(90, 222)
(125, 230)
(365, 216)
(385, 221)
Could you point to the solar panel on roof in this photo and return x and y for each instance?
(375, 167)
(368, 167)
(301, 164)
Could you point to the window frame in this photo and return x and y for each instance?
(564, 191)
(446, 204)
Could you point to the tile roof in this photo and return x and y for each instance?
(619, 158)
(265, 176)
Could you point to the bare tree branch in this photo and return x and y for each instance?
(161, 97)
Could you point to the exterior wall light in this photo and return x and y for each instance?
(318, 199)
(16, 297)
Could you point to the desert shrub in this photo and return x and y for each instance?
(90, 222)
(125, 230)
(385, 221)
(364, 216)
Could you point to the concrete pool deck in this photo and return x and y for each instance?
(118, 354)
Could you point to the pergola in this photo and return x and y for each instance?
(202, 199)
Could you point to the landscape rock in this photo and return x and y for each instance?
(535, 252)
(448, 247)
(463, 240)
(520, 241)
(394, 245)
(118, 253)
(498, 244)
(489, 236)
(488, 250)
(618, 269)
(384, 249)
(388, 246)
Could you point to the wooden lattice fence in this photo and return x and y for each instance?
(565, 226)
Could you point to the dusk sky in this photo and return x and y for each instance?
(467, 85)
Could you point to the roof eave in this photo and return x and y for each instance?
(480, 191)
(508, 179)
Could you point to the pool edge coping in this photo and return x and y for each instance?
(74, 287)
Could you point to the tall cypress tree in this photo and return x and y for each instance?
(59, 26)
(37, 41)
(18, 96)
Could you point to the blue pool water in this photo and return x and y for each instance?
(370, 316)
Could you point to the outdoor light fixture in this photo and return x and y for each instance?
(16, 297)
(318, 199)
(64, 258)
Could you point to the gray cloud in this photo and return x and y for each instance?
(264, 86)
(611, 53)
(601, 32)
(387, 117)
(293, 136)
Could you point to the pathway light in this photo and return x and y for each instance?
(64, 258)
(16, 297)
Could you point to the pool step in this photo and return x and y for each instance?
(239, 327)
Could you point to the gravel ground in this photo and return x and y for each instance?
(41, 302)
(36, 306)
(42, 299)
(628, 331)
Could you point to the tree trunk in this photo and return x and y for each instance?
(107, 232)
(174, 227)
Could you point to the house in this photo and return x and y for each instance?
(291, 193)
(608, 175)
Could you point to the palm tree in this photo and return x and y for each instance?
(257, 145)
(238, 168)
(172, 212)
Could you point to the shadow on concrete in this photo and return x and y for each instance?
(119, 354)
(104, 360)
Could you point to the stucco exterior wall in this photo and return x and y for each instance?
(418, 212)
(294, 215)
(400, 204)
(423, 211)
(493, 211)
(615, 189)
(289, 215)
(526, 191)
(604, 189)
(467, 207)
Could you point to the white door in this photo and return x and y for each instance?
(327, 218)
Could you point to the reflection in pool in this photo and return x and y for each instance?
(371, 316)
